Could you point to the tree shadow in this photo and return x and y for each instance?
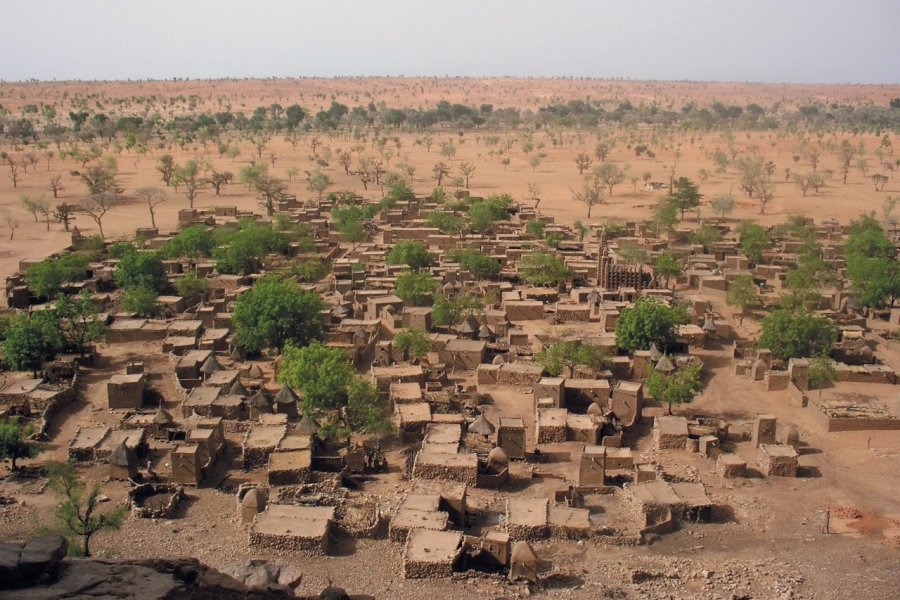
(809, 472)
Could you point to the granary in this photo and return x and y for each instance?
(511, 437)
(123, 463)
(627, 401)
(188, 464)
(125, 391)
(260, 404)
(285, 402)
(251, 504)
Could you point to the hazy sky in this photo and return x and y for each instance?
(832, 41)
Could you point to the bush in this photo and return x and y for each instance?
(46, 279)
(243, 252)
(412, 342)
(310, 271)
(191, 242)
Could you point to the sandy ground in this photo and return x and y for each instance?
(556, 174)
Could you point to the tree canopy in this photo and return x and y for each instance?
(329, 387)
(416, 288)
(649, 321)
(794, 332)
(33, 339)
(275, 311)
(542, 268)
(676, 388)
(409, 252)
(561, 357)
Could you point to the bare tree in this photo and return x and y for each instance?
(96, 206)
(37, 206)
(534, 194)
(439, 171)
(13, 171)
(11, 221)
(466, 169)
(582, 161)
(56, 185)
(270, 190)
(591, 193)
(189, 177)
(220, 179)
(152, 197)
(64, 213)
(345, 158)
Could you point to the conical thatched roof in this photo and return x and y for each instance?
(665, 365)
(162, 417)
(485, 333)
(522, 553)
(307, 425)
(708, 325)
(210, 365)
(236, 354)
(481, 426)
(595, 409)
(122, 456)
(238, 389)
(468, 326)
(260, 399)
(255, 372)
(654, 352)
(286, 396)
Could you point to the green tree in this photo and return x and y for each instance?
(742, 293)
(451, 310)
(649, 321)
(446, 222)
(190, 285)
(482, 215)
(329, 387)
(412, 343)
(190, 178)
(542, 268)
(723, 204)
(685, 195)
(366, 412)
(78, 512)
(415, 288)
(317, 182)
(821, 372)
(141, 300)
(610, 175)
(561, 357)
(665, 215)
(794, 332)
(409, 252)
(276, 311)
(873, 270)
(535, 228)
(14, 443)
(475, 262)
(193, 242)
(310, 271)
(140, 269)
(580, 229)
(80, 322)
(679, 387)
(706, 235)
(243, 252)
(31, 340)
(753, 239)
(47, 278)
(667, 265)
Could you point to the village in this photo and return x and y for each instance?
(537, 379)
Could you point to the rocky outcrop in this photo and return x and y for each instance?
(38, 570)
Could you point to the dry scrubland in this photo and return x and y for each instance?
(766, 540)
(556, 174)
